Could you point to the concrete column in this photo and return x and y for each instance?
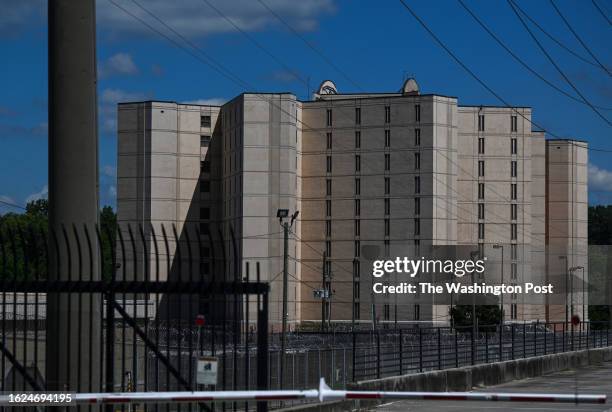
(73, 322)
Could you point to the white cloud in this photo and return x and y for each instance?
(117, 65)
(108, 107)
(194, 18)
(215, 101)
(109, 171)
(599, 179)
(44, 192)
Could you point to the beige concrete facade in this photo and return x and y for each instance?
(372, 175)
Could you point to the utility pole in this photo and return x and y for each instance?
(324, 292)
(73, 192)
(282, 214)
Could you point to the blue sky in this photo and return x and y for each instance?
(375, 44)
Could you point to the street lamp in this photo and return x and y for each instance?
(498, 246)
(566, 287)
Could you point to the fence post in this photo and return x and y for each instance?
(401, 353)
(378, 354)
(524, 339)
(262, 350)
(456, 350)
(439, 349)
(486, 345)
(535, 338)
(501, 341)
(354, 353)
(420, 350)
(472, 343)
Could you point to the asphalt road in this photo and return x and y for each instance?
(588, 380)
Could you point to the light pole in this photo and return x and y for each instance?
(475, 254)
(282, 214)
(566, 288)
(498, 246)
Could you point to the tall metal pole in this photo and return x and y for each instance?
(285, 282)
(323, 291)
(73, 191)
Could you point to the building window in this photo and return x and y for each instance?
(357, 207)
(513, 191)
(481, 168)
(417, 137)
(481, 145)
(513, 124)
(417, 161)
(481, 211)
(387, 114)
(417, 184)
(357, 163)
(357, 115)
(329, 164)
(513, 168)
(513, 230)
(387, 185)
(387, 206)
(481, 122)
(417, 113)
(387, 161)
(513, 311)
(481, 231)
(204, 141)
(205, 166)
(328, 250)
(328, 207)
(513, 251)
(328, 187)
(204, 228)
(357, 248)
(481, 191)
(513, 211)
(204, 251)
(204, 186)
(417, 226)
(513, 146)
(205, 121)
(357, 227)
(328, 228)
(387, 227)
(417, 205)
(357, 140)
(329, 117)
(417, 311)
(387, 138)
(329, 140)
(204, 213)
(357, 186)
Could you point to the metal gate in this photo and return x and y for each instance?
(128, 309)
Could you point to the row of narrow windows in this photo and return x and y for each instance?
(387, 118)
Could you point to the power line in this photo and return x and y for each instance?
(12, 205)
(558, 42)
(467, 69)
(257, 44)
(518, 59)
(601, 12)
(552, 61)
(310, 45)
(569, 26)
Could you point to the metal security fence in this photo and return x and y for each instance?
(90, 309)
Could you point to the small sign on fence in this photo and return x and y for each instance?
(206, 370)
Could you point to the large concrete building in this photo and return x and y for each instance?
(373, 175)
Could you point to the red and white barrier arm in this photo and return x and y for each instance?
(324, 393)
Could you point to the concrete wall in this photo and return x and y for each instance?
(468, 378)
